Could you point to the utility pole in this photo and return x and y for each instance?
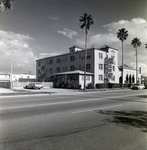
(11, 80)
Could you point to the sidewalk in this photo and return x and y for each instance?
(50, 91)
(22, 91)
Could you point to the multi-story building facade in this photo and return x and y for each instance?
(101, 65)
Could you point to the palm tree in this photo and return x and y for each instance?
(85, 23)
(122, 35)
(136, 43)
(6, 4)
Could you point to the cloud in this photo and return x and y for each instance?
(16, 46)
(43, 55)
(137, 27)
(68, 33)
(53, 18)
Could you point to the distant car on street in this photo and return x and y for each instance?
(138, 87)
(34, 86)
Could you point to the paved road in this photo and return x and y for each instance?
(90, 121)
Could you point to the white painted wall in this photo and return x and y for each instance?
(81, 81)
(98, 61)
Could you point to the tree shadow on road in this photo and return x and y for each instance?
(136, 119)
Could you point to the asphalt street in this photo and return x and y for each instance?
(112, 120)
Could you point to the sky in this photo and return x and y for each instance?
(35, 29)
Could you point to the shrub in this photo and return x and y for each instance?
(114, 85)
(90, 86)
(101, 85)
(80, 86)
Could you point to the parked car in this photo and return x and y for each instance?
(138, 87)
(34, 86)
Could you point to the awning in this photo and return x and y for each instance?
(74, 72)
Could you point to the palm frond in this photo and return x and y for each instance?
(122, 34)
(86, 21)
(6, 4)
(135, 42)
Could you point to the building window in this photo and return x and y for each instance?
(63, 68)
(113, 78)
(58, 60)
(101, 77)
(79, 67)
(66, 68)
(113, 68)
(71, 68)
(88, 56)
(101, 55)
(87, 78)
(39, 64)
(51, 61)
(88, 66)
(79, 55)
(64, 58)
(101, 66)
(51, 70)
(72, 58)
(58, 69)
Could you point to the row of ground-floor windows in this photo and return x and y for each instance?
(73, 77)
(87, 77)
(76, 77)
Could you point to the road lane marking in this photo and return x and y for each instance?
(82, 111)
(68, 102)
(47, 98)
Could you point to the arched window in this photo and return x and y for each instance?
(130, 79)
(127, 78)
(133, 79)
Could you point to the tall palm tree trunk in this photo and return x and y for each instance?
(136, 66)
(85, 62)
(122, 67)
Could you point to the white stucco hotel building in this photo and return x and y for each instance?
(101, 66)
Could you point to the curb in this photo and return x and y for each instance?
(25, 93)
(18, 93)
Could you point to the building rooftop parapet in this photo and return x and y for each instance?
(75, 46)
(106, 47)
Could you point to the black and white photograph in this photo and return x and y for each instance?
(73, 74)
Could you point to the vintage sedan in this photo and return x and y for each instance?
(34, 85)
(138, 87)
